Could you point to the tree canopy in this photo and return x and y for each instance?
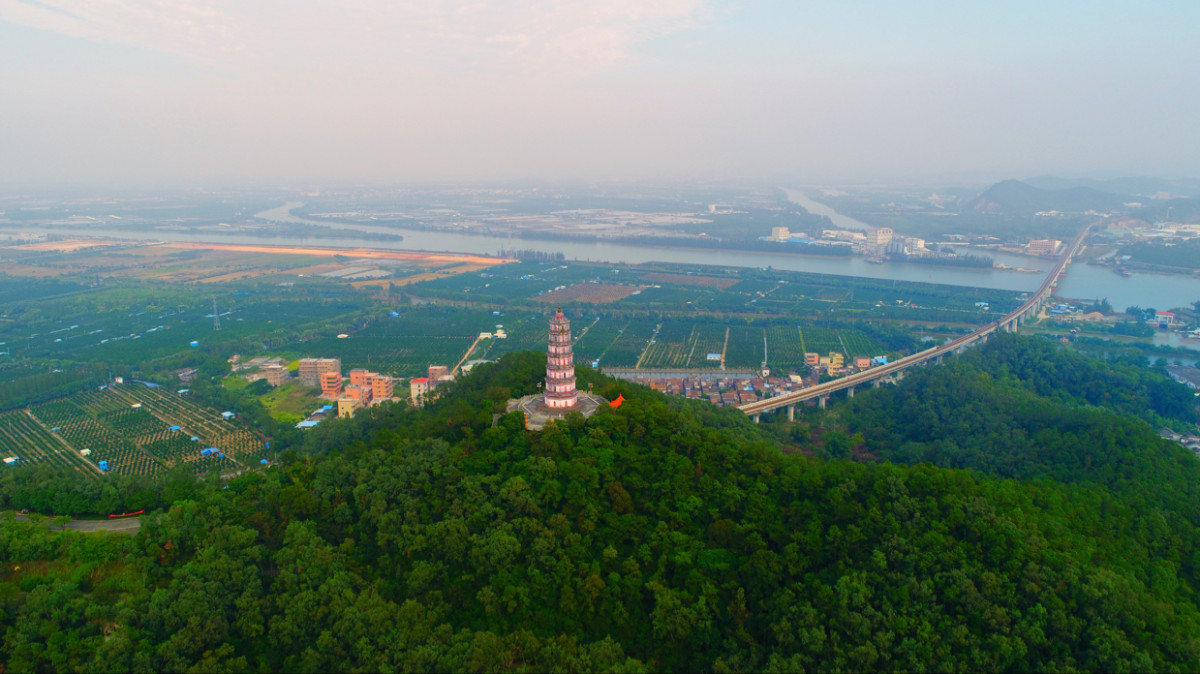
(1055, 531)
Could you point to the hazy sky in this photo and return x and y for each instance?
(216, 92)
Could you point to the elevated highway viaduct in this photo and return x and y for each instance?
(876, 375)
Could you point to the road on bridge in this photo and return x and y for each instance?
(822, 391)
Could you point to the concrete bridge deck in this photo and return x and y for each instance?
(876, 375)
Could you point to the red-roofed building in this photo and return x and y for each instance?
(419, 389)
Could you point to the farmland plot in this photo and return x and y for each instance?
(859, 344)
(400, 355)
(785, 349)
(525, 332)
(84, 431)
(745, 348)
(820, 340)
(233, 439)
(710, 338)
(628, 345)
(599, 335)
(754, 286)
(130, 421)
(132, 440)
(23, 437)
(671, 346)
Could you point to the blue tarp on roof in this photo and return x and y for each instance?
(307, 424)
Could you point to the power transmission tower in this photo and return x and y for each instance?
(216, 316)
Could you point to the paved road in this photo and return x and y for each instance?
(125, 525)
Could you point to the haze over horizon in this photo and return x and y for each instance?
(216, 92)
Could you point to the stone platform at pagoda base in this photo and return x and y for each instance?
(537, 414)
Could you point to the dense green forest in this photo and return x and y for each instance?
(1009, 511)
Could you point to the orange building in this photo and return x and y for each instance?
(331, 383)
(359, 392)
(361, 377)
(382, 387)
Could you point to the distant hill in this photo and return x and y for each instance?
(1172, 210)
(1013, 197)
(1140, 186)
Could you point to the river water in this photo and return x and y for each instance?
(599, 251)
(1081, 282)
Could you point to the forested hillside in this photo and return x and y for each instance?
(666, 535)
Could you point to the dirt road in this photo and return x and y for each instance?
(124, 525)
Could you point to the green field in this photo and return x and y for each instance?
(785, 349)
(820, 340)
(289, 403)
(745, 348)
(627, 346)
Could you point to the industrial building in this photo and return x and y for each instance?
(1043, 246)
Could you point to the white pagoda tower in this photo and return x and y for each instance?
(559, 395)
(560, 365)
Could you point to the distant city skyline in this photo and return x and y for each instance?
(197, 92)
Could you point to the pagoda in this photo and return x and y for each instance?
(559, 395)
(560, 365)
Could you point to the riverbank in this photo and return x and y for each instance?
(445, 243)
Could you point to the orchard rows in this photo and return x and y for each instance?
(127, 426)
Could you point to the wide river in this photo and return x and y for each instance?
(1081, 282)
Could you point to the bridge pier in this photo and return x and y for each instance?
(791, 412)
(822, 400)
(899, 375)
(850, 392)
(756, 418)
